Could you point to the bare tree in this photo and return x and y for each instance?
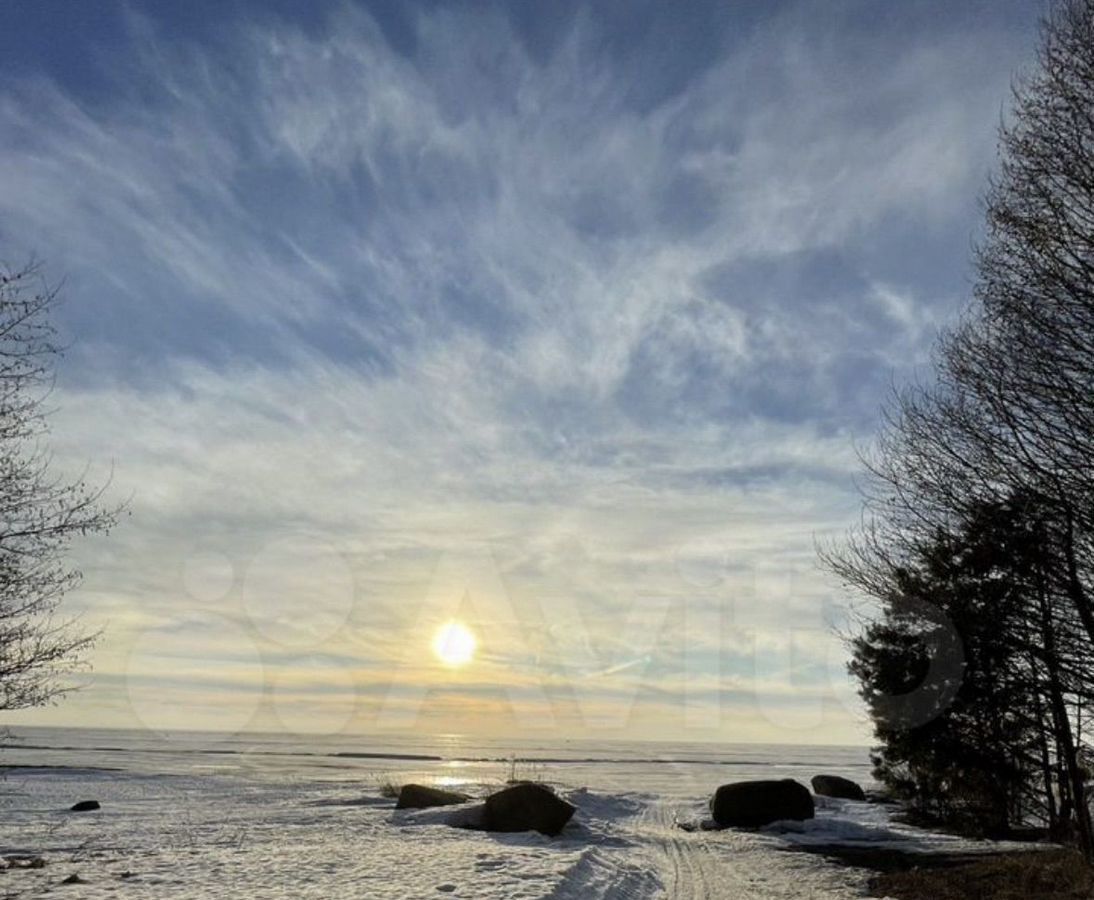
(40, 511)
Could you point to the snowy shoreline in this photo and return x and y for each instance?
(260, 834)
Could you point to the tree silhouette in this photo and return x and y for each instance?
(1006, 423)
(40, 512)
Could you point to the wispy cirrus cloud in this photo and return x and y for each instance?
(485, 283)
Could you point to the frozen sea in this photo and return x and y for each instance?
(255, 816)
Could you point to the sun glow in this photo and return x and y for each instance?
(454, 644)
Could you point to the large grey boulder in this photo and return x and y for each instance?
(753, 804)
(835, 786)
(526, 807)
(419, 796)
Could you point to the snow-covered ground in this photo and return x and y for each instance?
(226, 830)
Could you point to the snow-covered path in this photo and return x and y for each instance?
(704, 865)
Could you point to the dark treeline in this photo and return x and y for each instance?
(978, 543)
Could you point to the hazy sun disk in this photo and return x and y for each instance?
(454, 644)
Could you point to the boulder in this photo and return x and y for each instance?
(526, 807)
(418, 796)
(753, 804)
(835, 786)
(85, 806)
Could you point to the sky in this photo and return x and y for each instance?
(560, 320)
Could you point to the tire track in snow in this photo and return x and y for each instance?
(691, 871)
(712, 865)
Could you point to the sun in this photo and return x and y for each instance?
(454, 644)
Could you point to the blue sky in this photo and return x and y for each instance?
(563, 319)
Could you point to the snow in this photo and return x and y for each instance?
(258, 832)
(180, 836)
